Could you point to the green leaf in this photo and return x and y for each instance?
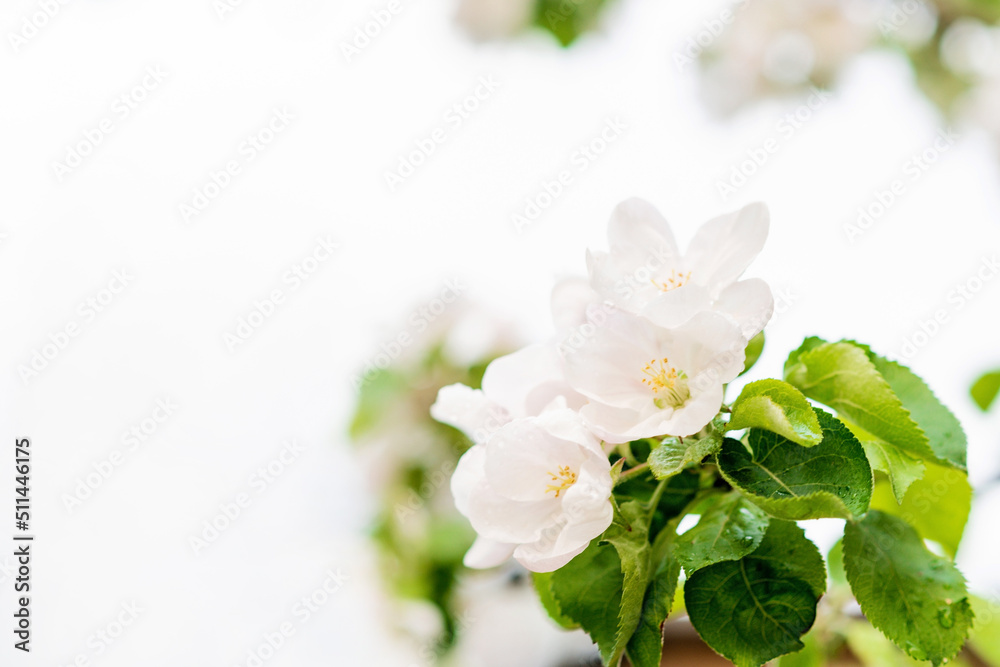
(754, 609)
(675, 454)
(629, 535)
(984, 391)
(937, 506)
(901, 469)
(810, 343)
(603, 588)
(778, 407)
(787, 481)
(792, 555)
(942, 429)
(842, 376)
(588, 590)
(543, 586)
(645, 648)
(729, 529)
(882, 397)
(616, 471)
(917, 599)
(754, 349)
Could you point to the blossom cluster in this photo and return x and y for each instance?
(643, 349)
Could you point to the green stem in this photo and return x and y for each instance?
(657, 494)
(633, 472)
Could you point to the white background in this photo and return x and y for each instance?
(163, 335)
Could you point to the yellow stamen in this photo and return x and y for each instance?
(669, 386)
(673, 282)
(565, 477)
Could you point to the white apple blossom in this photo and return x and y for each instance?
(537, 490)
(645, 273)
(518, 386)
(523, 383)
(644, 380)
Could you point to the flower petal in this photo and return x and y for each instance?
(527, 381)
(750, 304)
(613, 425)
(642, 248)
(635, 223)
(723, 247)
(485, 553)
(469, 475)
(540, 560)
(618, 425)
(567, 425)
(714, 349)
(693, 416)
(587, 512)
(468, 410)
(607, 365)
(499, 518)
(674, 308)
(523, 461)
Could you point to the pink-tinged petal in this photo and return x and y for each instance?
(468, 410)
(674, 308)
(523, 461)
(724, 247)
(484, 553)
(469, 475)
(527, 381)
(750, 303)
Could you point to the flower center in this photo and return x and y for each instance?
(675, 280)
(669, 386)
(565, 478)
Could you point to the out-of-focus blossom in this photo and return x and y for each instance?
(776, 45)
(494, 19)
